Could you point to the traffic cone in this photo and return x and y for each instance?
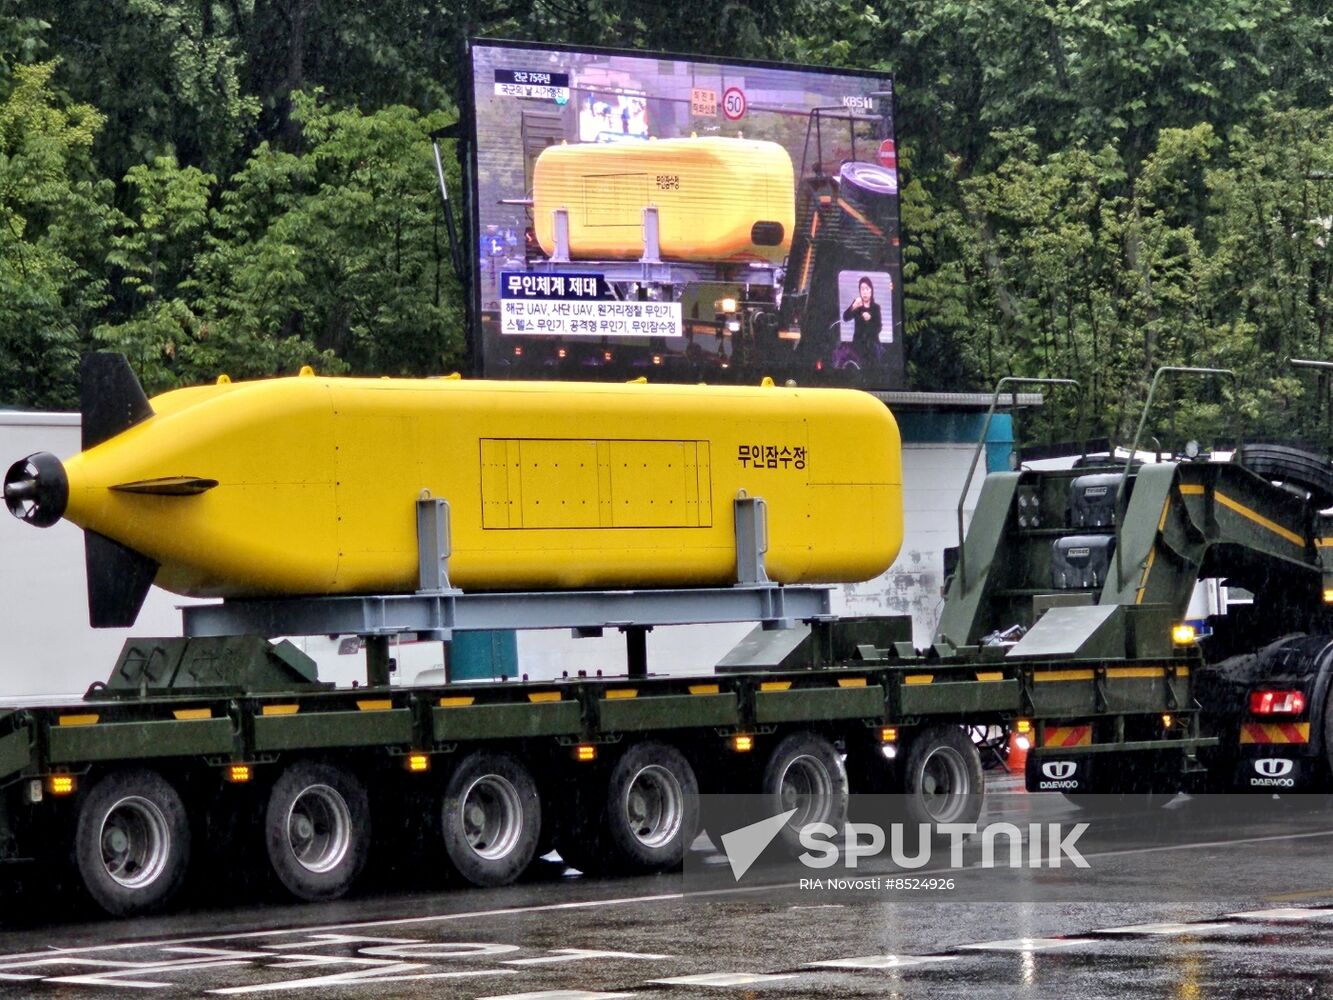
(1018, 751)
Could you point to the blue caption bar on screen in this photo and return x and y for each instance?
(521, 285)
(531, 78)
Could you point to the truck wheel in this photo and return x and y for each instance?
(132, 842)
(317, 827)
(942, 780)
(652, 808)
(1281, 463)
(491, 818)
(804, 772)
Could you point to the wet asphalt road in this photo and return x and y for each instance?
(1184, 902)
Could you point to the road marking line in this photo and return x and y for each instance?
(1285, 913)
(327, 928)
(1026, 944)
(1168, 928)
(1207, 844)
(882, 961)
(721, 979)
(558, 995)
(371, 977)
(582, 954)
(1202, 845)
(555, 907)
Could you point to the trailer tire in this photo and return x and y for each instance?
(132, 842)
(317, 830)
(652, 809)
(942, 781)
(1282, 463)
(490, 818)
(805, 773)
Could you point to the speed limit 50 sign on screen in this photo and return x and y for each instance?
(733, 103)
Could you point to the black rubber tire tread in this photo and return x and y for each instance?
(822, 753)
(628, 854)
(114, 898)
(921, 747)
(473, 867)
(300, 881)
(1282, 463)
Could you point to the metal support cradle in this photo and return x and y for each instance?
(438, 609)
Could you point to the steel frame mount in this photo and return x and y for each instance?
(438, 609)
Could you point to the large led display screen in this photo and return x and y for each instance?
(683, 219)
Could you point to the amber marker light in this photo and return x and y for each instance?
(239, 774)
(742, 743)
(60, 784)
(1183, 635)
(888, 734)
(418, 763)
(585, 752)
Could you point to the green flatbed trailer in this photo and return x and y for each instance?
(1060, 624)
(222, 722)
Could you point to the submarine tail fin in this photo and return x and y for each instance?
(110, 397)
(118, 581)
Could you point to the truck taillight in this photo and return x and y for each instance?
(1277, 702)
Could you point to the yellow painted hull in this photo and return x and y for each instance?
(710, 193)
(550, 485)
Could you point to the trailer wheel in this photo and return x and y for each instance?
(805, 773)
(132, 842)
(491, 818)
(652, 808)
(942, 780)
(1281, 463)
(317, 828)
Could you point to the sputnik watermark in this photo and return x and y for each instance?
(1003, 845)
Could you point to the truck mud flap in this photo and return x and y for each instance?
(1068, 773)
(1279, 769)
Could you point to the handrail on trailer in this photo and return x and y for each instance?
(981, 443)
(1134, 449)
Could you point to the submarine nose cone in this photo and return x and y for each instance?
(37, 489)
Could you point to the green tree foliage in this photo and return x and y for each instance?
(1215, 252)
(166, 74)
(338, 248)
(1096, 189)
(55, 221)
(331, 257)
(1090, 189)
